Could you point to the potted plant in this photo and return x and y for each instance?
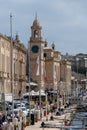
(35, 117)
(15, 123)
(28, 121)
(23, 125)
(15, 127)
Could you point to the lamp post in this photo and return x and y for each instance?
(57, 97)
(45, 55)
(40, 97)
(46, 106)
(3, 93)
(86, 82)
(12, 72)
(77, 59)
(58, 93)
(29, 89)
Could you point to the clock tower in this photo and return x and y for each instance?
(36, 45)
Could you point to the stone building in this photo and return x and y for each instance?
(52, 67)
(5, 84)
(36, 44)
(19, 57)
(45, 62)
(65, 75)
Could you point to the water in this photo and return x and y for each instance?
(80, 120)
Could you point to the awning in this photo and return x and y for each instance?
(8, 97)
(32, 84)
(41, 92)
(53, 92)
(33, 93)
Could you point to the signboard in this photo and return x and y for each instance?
(32, 103)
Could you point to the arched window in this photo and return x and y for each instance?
(35, 34)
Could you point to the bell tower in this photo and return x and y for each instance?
(37, 44)
(36, 31)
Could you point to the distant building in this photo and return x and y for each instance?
(79, 71)
(65, 75)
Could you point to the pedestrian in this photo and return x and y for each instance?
(3, 118)
(9, 126)
(0, 119)
(1, 125)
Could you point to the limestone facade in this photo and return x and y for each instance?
(19, 57)
(5, 84)
(47, 61)
(65, 75)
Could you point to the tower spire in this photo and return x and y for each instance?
(36, 16)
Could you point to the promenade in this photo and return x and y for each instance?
(58, 120)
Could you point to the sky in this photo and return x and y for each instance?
(63, 22)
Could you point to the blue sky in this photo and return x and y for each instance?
(63, 22)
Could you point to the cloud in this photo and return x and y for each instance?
(63, 21)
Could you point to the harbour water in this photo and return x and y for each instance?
(79, 120)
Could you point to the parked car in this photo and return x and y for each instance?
(20, 105)
(27, 107)
(16, 113)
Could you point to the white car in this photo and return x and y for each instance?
(20, 105)
(28, 108)
(16, 113)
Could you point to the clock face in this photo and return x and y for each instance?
(35, 49)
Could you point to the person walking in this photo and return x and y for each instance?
(9, 126)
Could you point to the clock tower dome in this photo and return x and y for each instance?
(36, 45)
(36, 31)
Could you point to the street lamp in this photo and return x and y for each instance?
(58, 94)
(29, 88)
(2, 92)
(45, 55)
(77, 59)
(12, 72)
(40, 97)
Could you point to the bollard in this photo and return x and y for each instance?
(42, 125)
(51, 118)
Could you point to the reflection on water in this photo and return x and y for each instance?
(79, 120)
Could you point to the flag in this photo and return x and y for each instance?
(38, 66)
(42, 47)
(54, 74)
(45, 76)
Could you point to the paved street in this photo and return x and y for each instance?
(57, 120)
